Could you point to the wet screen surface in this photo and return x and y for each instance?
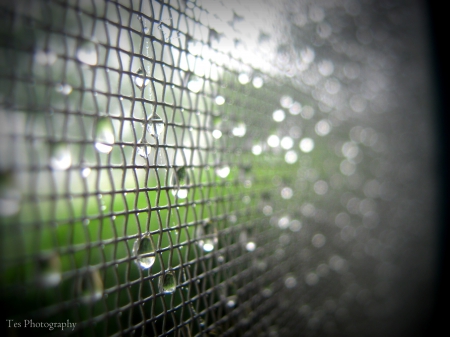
(217, 168)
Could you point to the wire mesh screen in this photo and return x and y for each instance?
(214, 168)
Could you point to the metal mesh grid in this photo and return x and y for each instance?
(157, 180)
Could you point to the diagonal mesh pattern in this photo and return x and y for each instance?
(182, 168)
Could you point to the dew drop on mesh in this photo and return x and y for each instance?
(87, 53)
(258, 82)
(239, 130)
(306, 145)
(206, 235)
(278, 115)
(223, 171)
(140, 79)
(90, 286)
(61, 158)
(155, 125)
(243, 78)
(167, 282)
(49, 271)
(144, 252)
(180, 182)
(104, 135)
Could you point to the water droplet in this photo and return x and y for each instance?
(85, 171)
(267, 292)
(306, 145)
(180, 181)
(290, 282)
(223, 171)
(278, 115)
(250, 246)
(144, 252)
(257, 149)
(321, 187)
(283, 222)
(61, 158)
(326, 68)
(291, 157)
(220, 100)
(146, 30)
(295, 225)
(231, 301)
(322, 127)
(206, 234)
(87, 53)
(243, 78)
(318, 240)
(307, 112)
(267, 210)
(273, 141)
(287, 193)
(144, 150)
(257, 82)
(155, 125)
(140, 79)
(295, 108)
(195, 85)
(287, 143)
(307, 55)
(49, 271)
(167, 283)
(90, 286)
(64, 89)
(104, 135)
(45, 58)
(217, 134)
(311, 279)
(286, 101)
(239, 130)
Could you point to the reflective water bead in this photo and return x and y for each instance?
(140, 79)
(144, 252)
(180, 181)
(206, 234)
(155, 125)
(167, 283)
(49, 271)
(61, 158)
(104, 135)
(87, 53)
(90, 286)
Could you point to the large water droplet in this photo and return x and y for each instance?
(87, 53)
(167, 283)
(206, 234)
(90, 286)
(104, 135)
(144, 252)
(61, 158)
(155, 125)
(140, 80)
(49, 271)
(180, 181)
